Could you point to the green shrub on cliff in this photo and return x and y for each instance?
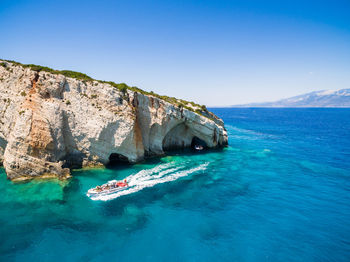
(121, 86)
(67, 73)
(76, 75)
(38, 68)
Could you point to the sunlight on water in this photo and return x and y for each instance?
(279, 192)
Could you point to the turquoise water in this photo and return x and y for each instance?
(279, 192)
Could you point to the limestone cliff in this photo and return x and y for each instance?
(50, 123)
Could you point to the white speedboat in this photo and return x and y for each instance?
(198, 147)
(111, 187)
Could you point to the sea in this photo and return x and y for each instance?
(279, 192)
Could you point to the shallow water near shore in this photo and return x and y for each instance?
(279, 192)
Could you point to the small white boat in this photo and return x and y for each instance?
(198, 147)
(111, 187)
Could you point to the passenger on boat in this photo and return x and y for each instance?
(122, 184)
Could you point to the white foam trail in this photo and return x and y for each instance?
(146, 173)
(144, 179)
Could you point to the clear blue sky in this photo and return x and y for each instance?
(212, 52)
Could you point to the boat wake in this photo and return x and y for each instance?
(151, 177)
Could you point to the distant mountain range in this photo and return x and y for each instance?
(325, 98)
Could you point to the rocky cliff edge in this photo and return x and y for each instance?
(50, 123)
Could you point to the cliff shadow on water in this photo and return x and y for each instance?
(120, 162)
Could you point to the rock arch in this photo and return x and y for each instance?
(155, 139)
(178, 137)
(116, 158)
(196, 141)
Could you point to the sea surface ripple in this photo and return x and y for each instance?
(279, 192)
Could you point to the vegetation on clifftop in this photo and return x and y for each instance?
(200, 109)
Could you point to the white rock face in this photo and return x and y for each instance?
(50, 123)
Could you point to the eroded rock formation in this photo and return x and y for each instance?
(50, 123)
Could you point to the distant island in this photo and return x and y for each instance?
(324, 98)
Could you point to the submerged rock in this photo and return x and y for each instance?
(50, 123)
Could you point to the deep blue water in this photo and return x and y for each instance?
(279, 192)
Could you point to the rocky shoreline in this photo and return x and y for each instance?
(50, 123)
